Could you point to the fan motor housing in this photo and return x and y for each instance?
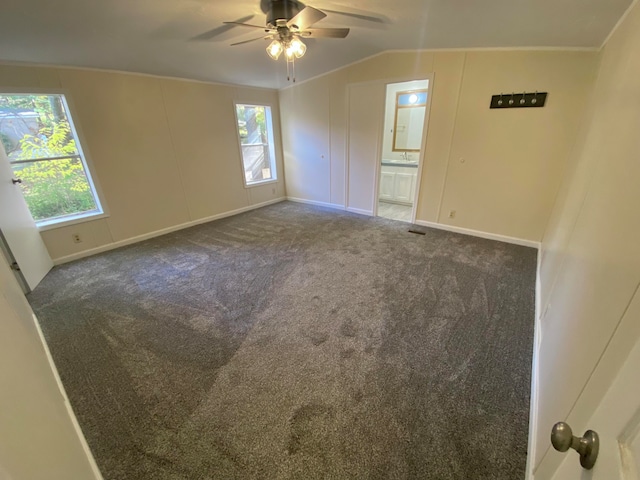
(282, 10)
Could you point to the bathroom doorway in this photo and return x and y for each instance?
(405, 121)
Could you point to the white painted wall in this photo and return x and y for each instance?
(590, 266)
(308, 114)
(38, 439)
(164, 151)
(514, 160)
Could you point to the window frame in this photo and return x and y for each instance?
(85, 158)
(271, 134)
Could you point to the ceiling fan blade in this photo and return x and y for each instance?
(325, 32)
(240, 24)
(214, 32)
(306, 17)
(249, 41)
(360, 16)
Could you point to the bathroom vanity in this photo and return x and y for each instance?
(398, 181)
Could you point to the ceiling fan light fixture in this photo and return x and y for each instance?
(295, 49)
(275, 49)
(287, 22)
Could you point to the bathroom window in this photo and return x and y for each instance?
(255, 130)
(45, 155)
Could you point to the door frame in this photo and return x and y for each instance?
(421, 156)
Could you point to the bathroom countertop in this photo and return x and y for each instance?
(399, 164)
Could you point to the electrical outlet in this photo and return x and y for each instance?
(452, 214)
(76, 238)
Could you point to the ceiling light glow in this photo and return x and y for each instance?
(274, 50)
(292, 47)
(298, 47)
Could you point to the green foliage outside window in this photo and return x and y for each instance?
(56, 188)
(52, 188)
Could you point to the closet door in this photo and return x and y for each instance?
(366, 110)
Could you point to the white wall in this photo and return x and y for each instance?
(37, 436)
(514, 159)
(165, 152)
(308, 115)
(590, 268)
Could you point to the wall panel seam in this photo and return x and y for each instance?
(173, 149)
(453, 134)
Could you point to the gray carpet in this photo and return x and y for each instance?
(294, 342)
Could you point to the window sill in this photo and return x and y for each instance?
(70, 220)
(258, 184)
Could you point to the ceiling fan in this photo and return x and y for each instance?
(288, 22)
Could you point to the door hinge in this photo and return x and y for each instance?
(15, 266)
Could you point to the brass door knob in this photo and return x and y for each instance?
(587, 446)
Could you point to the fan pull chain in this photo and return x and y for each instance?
(291, 70)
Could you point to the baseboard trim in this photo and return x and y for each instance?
(360, 211)
(315, 202)
(158, 233)
(67, 403)
(478, 233)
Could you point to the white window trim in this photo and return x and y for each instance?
(67, 220)
(272, 147)
(101, 207)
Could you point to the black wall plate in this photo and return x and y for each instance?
(519, 100)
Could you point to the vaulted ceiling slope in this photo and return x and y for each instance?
(183, 38)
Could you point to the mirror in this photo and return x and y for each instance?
(409, 120)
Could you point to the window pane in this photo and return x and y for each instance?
(35, 126)
(38, 136)
(257, 165)
(55, 188)
(254, 129)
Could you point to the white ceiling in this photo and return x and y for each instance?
(156, 36)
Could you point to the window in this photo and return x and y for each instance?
(255, 130)
(44, 152)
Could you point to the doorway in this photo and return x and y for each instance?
(405, 118)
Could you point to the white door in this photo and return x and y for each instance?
(40, 439)
(366, 111)
(19, 229)
(386, 185)
(616, 420)
(402, 187)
